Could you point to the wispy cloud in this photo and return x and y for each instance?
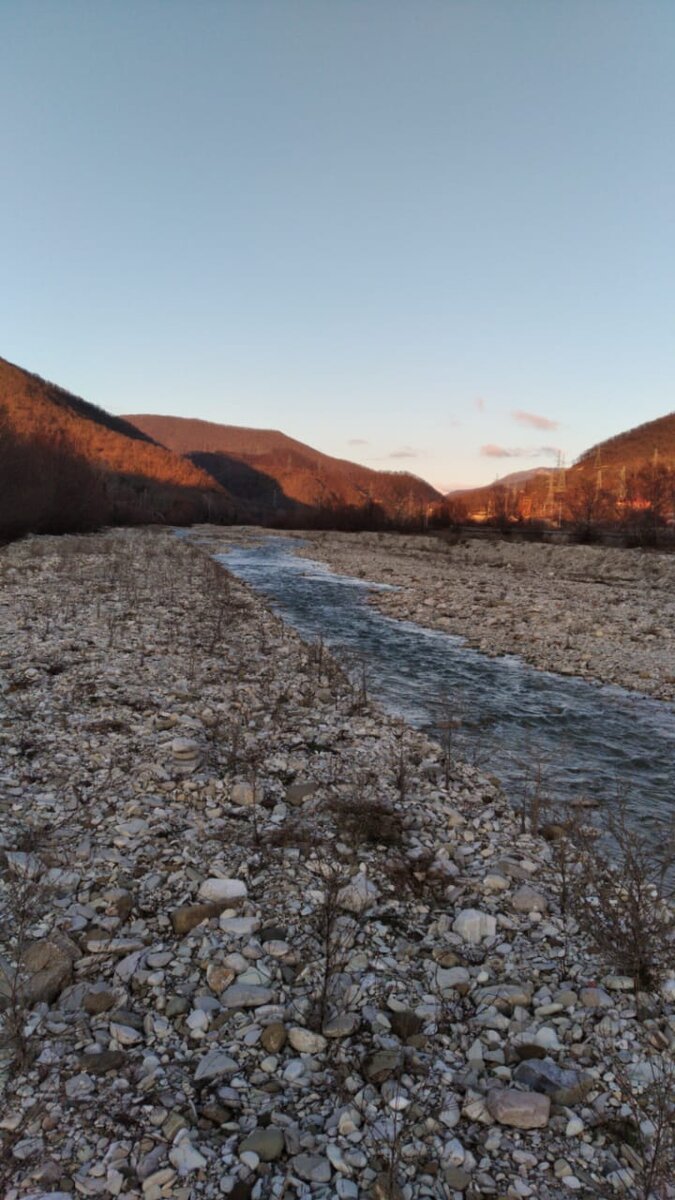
(358, 442)
(533, 419)
(405, 452)
(493, 451)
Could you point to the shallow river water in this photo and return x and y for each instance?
(586, 740)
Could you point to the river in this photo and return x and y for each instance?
(585, 741)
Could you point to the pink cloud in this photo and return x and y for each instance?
(534, 420)
(493, 451)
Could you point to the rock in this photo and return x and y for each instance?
(359, 895)
(267, 1143)
(120, 903)
(239, 927)
(222, 891)
(474, 926)
(520, 1110)
(574, 1127)
(454, 818)
(48, 965)
(544, 1075)
(273, 1037)
(125, 1035)
(668, 989)
(273, 933)
(509, 995)
(214, 1065)
(185, 1158)
(405, 1024)
(619, 983)
(158, 1179)
(520, 1051)
(453, 979)
(526, 900)
(456, 1178)
(450, 1113)
(98, 1001)
(243, 795)
(595, 997)
(184, 748)
(306, 1042)
(185, 756)
(219, 977)
(313, 1168)
(345, 1189)
(495, 883)
(381, 1065)
(188, 916)
(446, 958)
(242, 1190)
(341, 1025)
(79, 1087)
(246, 995)
(297, 793)
(337, 1159)
(176, 1005)
(101, 1063)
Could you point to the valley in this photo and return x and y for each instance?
(278, 938)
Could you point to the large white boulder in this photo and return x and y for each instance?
(474, 926)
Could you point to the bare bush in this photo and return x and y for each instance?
(329, 937)
(644, 1126)
(621, 901)
(360, 821)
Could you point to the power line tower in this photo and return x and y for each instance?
(598, 473)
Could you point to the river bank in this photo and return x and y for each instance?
(599, 613)
(271, 941)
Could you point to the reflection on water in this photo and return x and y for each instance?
(586, 740)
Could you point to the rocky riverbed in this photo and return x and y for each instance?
(604, 614)
(259, 939)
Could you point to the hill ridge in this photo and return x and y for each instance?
(292, 475)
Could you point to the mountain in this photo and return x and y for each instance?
(654, 441)
(276, 476)
(624, 477)
(64, 463)
(510, 480)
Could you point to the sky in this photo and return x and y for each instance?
(426, 235)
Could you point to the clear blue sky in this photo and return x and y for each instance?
(384, 227)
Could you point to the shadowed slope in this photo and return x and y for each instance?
(64, 464)
(290, 474)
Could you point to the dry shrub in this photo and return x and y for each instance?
(620, 898)
(644, 1127)
(416, 879)
(366, 822)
